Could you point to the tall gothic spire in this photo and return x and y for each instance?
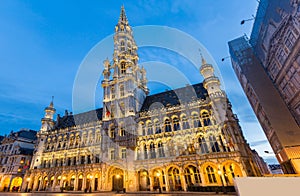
(123, 18)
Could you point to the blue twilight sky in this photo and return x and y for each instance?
(42, 44)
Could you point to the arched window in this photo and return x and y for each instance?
(206, 119)
(122, 130)
(138, 153)
(149, 128)
(168, 125)
(143, 129)
(112, 92)
(192, 175)
(152, 151)
(122, 91)
(145, 152)
(123, 68)
(122, 45)
(161, 152)
(157, 126)
(203, 145)
(129, 47)
(213, 144)
(98, 136)
(112, 154)
(112, 131)
(185, 123)
(113, 109)
(176, 125)
(84, 138)
(211, 175)
(196, 120)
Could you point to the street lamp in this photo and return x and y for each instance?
(243, 21)
(90, 189)
(223, 59)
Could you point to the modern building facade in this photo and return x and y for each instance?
(172, 140)
(16, 151)
(268, 68)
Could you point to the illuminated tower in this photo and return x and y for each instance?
(216, 94)
(47, 124)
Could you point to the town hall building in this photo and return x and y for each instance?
(174, 140)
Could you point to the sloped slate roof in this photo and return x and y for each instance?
(175, 97)
(26, 151)
(28, 134)
(168, 98)
(78, 119)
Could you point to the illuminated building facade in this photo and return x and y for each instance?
(175, 140)
(268, 68)
(16, 151)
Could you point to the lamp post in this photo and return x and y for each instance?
(220, 174)
(243, 21)
(90, 189)
(158, 174)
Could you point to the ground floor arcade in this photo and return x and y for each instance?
(169, 177)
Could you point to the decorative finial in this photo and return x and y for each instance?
(202, 58)
(51, 103)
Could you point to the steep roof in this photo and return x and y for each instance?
(78, 119)
(26, 151)
(27, 134)
(175, 97)
(167, 98)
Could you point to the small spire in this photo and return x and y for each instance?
(123, 18)
(202, 58)
(51, 103)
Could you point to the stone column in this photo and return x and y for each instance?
(76, 183)
(84, 180)
(151, 181)
(167, 179)
(182, 179)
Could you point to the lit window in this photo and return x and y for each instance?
(176, 124)
(152, 151)
(196, 120)
(206, 119)
(112, 154)
(112, 131)
(123, 153)
(168, 125)
(123, 68)
(157, 127)
(211, 174)
(149, 128)
(161, 152)
(122, 130)
(214, 144)
(122, 92)
(185, 124)
(113, 92)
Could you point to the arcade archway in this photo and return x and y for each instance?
(16, 184)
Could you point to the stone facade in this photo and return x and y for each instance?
(16, 151)
(175, 140)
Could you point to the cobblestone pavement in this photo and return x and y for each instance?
(114, 193)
